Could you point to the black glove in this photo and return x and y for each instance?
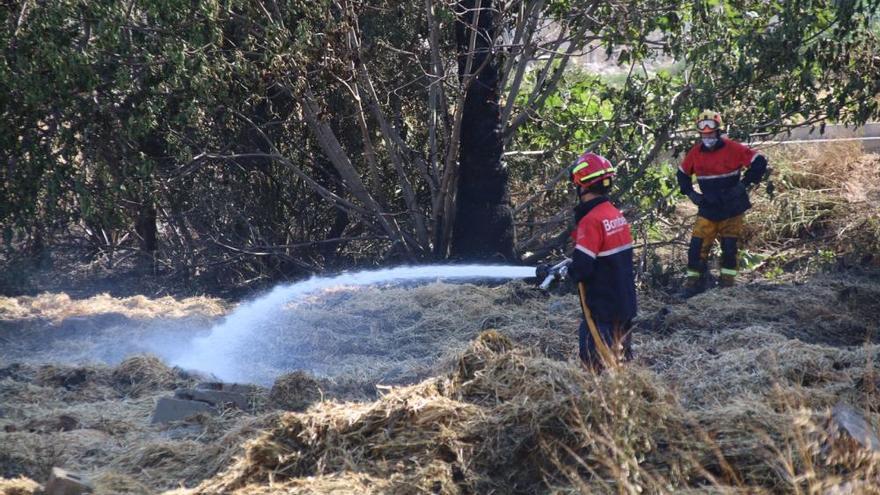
(696, 198)
(542, 271)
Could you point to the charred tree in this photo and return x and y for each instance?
(483, 218)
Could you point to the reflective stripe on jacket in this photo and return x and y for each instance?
(718, 172)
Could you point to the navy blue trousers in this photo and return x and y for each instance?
(587, 347)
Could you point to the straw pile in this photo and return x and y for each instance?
(142, 374)
(19, 486)
(501, 421)
(95, 420)
(294, 391)
(728, 394)
(509, 421)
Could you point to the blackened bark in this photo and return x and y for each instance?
(155, 146)
(483, 220)
(145, 226)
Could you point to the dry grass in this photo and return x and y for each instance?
(143, 374)
(57, 307)
(513, 422)
(294, 391)
(825, 199)
(398, 335)
(417, 435)
(19, 486)
(90, 420)
(726, 391)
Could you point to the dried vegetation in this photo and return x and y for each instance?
(825, 199)
(730, 392)
(57, 307)
(96, 420)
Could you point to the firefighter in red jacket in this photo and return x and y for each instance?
(717, 162)
(602, 266)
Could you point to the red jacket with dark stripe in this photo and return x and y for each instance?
(603, 260)
(718, 172)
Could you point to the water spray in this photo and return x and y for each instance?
(232, 350)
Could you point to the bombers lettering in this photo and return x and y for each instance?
(615, 224)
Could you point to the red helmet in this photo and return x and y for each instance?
(590, 169)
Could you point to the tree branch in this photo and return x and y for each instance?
(334, 151)
(542, 91)
(525, 58)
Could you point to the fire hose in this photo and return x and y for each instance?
(552, 273)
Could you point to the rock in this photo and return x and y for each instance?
(238, 388)
(63, 482)
(169, 409)
(218, 398)
(850, 421)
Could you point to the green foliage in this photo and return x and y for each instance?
(767, 66)
(112, 110)
(105, 104)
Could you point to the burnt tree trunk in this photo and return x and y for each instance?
(483, 219)
(145, 226)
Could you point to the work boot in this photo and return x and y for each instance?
(727, 280)
(693, 286)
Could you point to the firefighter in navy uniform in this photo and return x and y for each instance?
(717, 162)
(602, 266)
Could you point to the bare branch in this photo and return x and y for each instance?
(392, 141)
(369, 150)
(524, 60)
(22, 17)
(561, 174)
(527, 21)
(334, 240)
(334, 151)
(325, 193)
(436, 93)
(543, 90)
